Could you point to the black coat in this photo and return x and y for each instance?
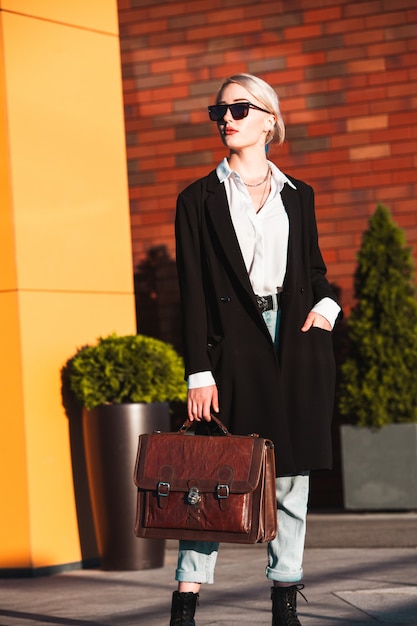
(287, 398)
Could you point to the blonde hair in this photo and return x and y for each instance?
(266, 95)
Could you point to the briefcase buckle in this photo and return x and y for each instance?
(163, 489)
(223, 491)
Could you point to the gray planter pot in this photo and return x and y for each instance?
(379, 467)
(111, 439)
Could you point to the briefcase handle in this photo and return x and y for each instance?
(188, 424)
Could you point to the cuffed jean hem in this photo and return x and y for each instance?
(284, 577)
(195, 577)
(196, 562)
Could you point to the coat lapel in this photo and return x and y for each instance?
(290, 199)
(219, 214)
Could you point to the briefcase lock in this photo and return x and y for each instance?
(193, 496)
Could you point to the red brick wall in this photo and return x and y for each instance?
(346, 74)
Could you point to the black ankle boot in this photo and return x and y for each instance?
(183, 608)
(284, 605)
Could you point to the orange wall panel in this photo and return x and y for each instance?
(66, 247)
(66, 179)
(15, 543)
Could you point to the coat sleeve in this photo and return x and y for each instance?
(191, 280)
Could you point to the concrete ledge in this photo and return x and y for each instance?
(368, 530)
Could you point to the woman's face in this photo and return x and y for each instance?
(249, 131)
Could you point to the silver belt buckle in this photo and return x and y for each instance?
(262, 303)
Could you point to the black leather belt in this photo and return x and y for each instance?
(267, 303)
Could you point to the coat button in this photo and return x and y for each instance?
(302, 290)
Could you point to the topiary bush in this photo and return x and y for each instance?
(126, 369)
(379, 375)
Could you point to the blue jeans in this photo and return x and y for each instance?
(197, 559)
(285, 552)
(272, 320)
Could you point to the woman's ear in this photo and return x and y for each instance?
(270, 122)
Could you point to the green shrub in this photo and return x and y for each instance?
(126, 369)
(379, 375)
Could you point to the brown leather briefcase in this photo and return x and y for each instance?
(206, 488)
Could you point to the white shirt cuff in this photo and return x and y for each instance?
(200, 379)
(329, 309)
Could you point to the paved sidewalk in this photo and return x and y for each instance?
(347, 582)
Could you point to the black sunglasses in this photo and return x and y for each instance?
(239, 110)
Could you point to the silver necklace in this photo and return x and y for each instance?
(262, 200)
(258, 184)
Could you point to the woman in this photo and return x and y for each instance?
(257, 316)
